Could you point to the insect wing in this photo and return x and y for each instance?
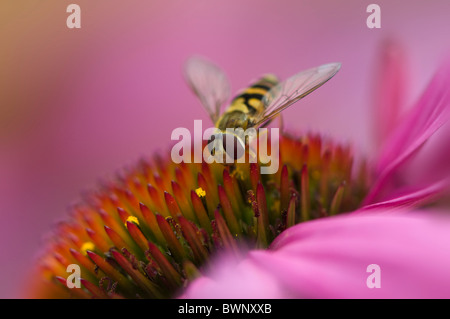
(293, 89)
(209, 83)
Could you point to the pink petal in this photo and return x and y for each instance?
(328, 258)
(433, 156)
(390, 90)
(430, 113)
(412, 198)
(226, 282)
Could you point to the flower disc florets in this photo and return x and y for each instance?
(153, 229)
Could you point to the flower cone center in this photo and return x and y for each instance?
(151, 231)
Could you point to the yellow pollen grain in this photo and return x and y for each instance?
(87, 246)
(132, 219)
(200, 192)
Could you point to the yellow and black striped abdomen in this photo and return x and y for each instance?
(247, 104)
(249, 101)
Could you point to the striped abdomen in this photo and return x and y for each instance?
(247, 104)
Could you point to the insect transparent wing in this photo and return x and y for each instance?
(293, 89)
(209, 83)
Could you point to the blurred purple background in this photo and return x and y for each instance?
(75, 105)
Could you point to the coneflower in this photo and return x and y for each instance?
(153, 229)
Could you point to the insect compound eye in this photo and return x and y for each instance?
(233, 146)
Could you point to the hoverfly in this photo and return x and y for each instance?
(256, 106)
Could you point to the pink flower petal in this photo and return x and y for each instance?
(328, 258)
(413, 197)
(433, 156)
(389, 91)
(226, 282)
(430, 113)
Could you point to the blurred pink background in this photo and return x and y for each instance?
(75, 105)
